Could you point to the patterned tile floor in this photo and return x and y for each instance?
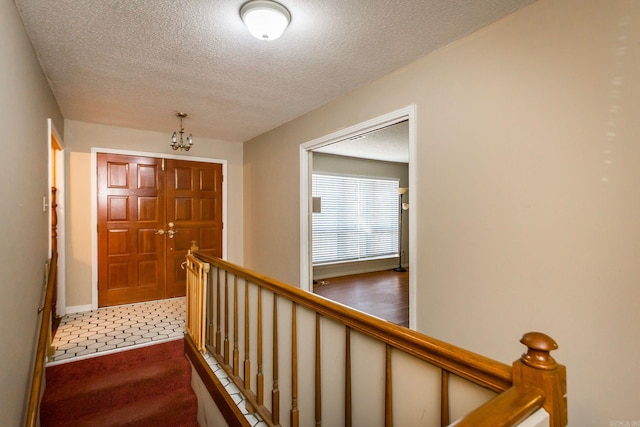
(112, 329)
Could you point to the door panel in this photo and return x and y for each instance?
(131, 257)
(194, 200)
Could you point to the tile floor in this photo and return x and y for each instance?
(112, 329)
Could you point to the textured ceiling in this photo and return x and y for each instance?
(134, 63)
(389, 144)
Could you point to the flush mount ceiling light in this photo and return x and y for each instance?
(182, 144)
(265, 19)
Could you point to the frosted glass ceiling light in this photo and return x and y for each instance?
(265, 19)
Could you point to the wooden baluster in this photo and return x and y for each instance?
(218, 317)
(226, 318)
(275, 393)
(388, 389)
(247, 358)
(347, 379)
(202, 304)
(536, 367)
(195, 305)
(201, 318)
(444, 398)
(189, 315)
(236, 355)
(210, 307)
(294, 368)
(189, 279)
(318, 373)
(259, 375)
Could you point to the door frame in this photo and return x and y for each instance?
(306, 168)
(54, 139)
(94, 203)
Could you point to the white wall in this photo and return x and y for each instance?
(528, 166)
(80, 138)
(25, 104)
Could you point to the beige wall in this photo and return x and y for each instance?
(80, 138)
(25, 104)
(527, 196)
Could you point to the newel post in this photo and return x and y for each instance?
(536, 367)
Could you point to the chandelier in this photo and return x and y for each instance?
(182, 144)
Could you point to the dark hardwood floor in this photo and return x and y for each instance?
(384, 294)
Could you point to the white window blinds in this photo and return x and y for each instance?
(358, 218)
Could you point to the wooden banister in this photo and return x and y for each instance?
(534, 381)
(536, 367)
(479, 369)
(35, 392)
(507, 409)
(538, 382)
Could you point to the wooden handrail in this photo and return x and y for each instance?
(33, 406)
(506, 409)
(538, 382)
(533, 382)
(479, 369)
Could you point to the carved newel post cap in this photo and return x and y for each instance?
(539, 346)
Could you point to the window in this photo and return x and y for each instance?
(358, 218)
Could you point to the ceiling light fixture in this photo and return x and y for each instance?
(183, 145)
(265, 19)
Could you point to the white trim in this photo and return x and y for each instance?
(60, 211)
(413, 216)
(94, 203)
(72, 309)
(407, 113)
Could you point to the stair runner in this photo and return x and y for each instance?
(149, 386)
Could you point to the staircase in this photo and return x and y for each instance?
(150, 386)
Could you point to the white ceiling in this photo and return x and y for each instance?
(134, 63)
(389, 144)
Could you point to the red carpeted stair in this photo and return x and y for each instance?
(150, 386)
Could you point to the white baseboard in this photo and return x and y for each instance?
(79, 308)
(348, 268)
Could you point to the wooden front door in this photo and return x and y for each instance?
(139, 253)
(194, 207)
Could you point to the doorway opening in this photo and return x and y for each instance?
(313, 158)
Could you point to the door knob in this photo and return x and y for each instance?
(171, 231)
